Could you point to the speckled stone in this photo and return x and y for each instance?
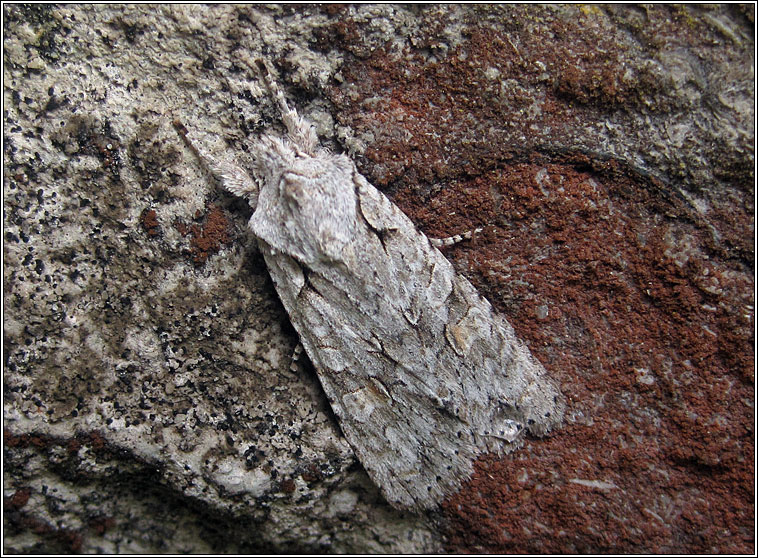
(607, 150)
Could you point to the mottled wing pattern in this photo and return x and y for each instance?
(420, 371)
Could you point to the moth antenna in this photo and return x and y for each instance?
(300, 131)
(235, 179)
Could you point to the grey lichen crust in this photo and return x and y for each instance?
(422, 373)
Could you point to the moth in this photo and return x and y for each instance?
(421, 372)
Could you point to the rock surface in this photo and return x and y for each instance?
(148, 403)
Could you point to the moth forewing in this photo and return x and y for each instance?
(422, 374)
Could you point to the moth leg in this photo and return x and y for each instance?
(455, 239)
(295, 359)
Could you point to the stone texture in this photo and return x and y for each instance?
(148, 405)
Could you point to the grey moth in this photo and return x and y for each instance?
(421, 372)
